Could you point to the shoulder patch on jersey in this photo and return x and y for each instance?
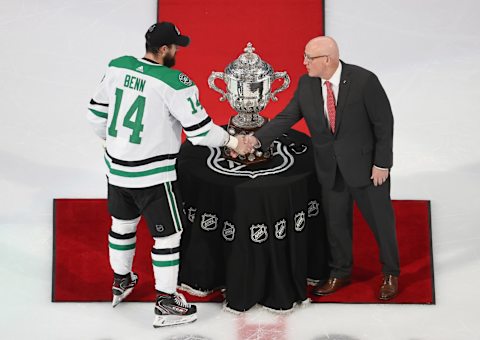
(171, 77)
(174, 78)
(184, 79)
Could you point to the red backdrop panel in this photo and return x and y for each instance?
(220, 30)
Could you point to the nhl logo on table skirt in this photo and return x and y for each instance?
(281, 160)
(228, 231)
(209, 222)
(313, 208)
(191, 214)
(258, 233)
(281, 229)
(299, 221)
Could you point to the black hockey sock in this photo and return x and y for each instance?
(120, 276)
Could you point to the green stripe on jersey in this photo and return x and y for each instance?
(138, 173)
(99, 113)
(121, 247)
(200, 135)
(173, 78)
(166, 263)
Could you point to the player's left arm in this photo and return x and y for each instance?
(97, 113)
(198, 126)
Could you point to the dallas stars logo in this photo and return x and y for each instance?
(184, 79)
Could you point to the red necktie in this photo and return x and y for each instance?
(331, 105)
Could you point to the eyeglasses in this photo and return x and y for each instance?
(310, 59)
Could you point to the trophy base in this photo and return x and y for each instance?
(257, 156)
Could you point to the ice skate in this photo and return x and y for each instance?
(173, 309)
(122, 287)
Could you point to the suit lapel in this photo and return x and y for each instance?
(343, 90)
(317, 97)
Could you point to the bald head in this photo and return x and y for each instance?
(324, 57)
(324, 46)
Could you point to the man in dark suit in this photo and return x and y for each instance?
(351, 126)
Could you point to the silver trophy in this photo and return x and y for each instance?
(248, 81)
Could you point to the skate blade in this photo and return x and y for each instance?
(119, 298)
(171, 320)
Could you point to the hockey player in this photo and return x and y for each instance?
(139, 109)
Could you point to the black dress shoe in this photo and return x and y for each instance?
(331, 286)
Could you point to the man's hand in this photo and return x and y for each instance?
(253, 142)
(245, 143)
(379, 176)
(242, 148)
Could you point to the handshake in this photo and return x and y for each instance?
(246, 144)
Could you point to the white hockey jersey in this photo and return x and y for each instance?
(140, 108)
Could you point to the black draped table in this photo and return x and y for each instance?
(257, 232)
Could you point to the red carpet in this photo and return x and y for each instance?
(416, 261)
(81, 271)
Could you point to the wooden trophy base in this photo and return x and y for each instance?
(257, 156)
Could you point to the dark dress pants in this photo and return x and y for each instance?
(376, 207)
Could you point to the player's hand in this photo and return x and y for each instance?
(243, 146)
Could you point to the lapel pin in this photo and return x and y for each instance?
(344, 81)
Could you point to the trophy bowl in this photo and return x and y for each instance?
(248, 81)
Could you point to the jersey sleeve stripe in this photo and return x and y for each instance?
(200, 131)
(93, 102)
(197, 126)
(99, 113)
(143, 161)
(200, 135)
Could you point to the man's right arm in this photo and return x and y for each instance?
(281, 123)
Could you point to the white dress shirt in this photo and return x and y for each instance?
(335, 81)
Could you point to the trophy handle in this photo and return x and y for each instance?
(211, 83)
(285, 85)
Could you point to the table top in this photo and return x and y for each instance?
(292, 156)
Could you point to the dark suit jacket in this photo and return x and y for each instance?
(364, 126)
